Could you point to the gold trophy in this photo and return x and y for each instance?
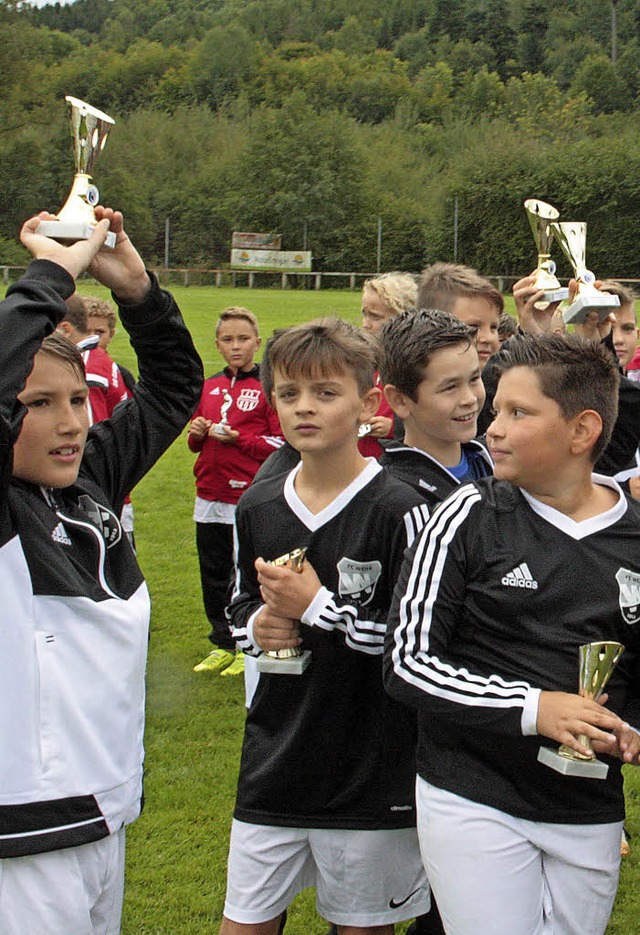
(220, 427)
(77, 220)
(572, 237)
(540, 216)
(292, 661)
(597, 661)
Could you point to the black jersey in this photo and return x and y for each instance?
(495, 598)
(329, 748)
(428, 476)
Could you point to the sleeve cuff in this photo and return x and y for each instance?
(529, 721)
(316, 607)
(250, 634)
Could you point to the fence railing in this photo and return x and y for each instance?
(247, 278)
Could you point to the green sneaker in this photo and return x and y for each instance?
(236, 667)
(216, 662)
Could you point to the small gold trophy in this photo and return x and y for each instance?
(572, 237)
(540, 216)
(77, 220)
(291, 661)
(597, 661)
(220, 427)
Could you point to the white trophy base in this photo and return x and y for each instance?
(587, 769)
(602, 303)
(220, 428)
(556, 295)
(293, 665)
(72, 232)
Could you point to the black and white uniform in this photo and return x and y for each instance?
(427, 475)
(75, 608)
(491, 606)
(328, 749)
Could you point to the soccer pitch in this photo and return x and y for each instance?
(177, 849)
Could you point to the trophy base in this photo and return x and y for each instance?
(72, 231)
(220, 428)
(602, 303)
(587, 769)
(292, 665)
(556, 295)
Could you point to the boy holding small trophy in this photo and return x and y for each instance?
(508, 618)
(325, 793)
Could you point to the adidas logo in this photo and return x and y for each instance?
(520, 577)
(59, 534)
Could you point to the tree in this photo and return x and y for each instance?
(533, 33)
(224, 61)
(598, 78)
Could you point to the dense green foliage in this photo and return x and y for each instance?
(317, 117)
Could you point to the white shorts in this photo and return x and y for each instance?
(499, 875)
(362, 878)
(75, 891)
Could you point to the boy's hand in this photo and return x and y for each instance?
(531, 319)
(287, 593)
(227, 436)
(563, 717)
(199, 427)
(627, 748)
(75, 258)
(594, 328)
(380, 426)
(120, 269)
(272, 632)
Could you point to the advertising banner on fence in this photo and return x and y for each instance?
(285, 261)
(244, 241)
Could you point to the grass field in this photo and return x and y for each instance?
(177, 850)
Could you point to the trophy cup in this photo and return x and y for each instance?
(220, 427)
(292, 661)
(540, 216)
(77, 220)
(572, 236)
(597, 661)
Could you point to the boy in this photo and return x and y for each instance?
(432, 382)
(508, 579)
(106, 386)
(467, 295)
(325, 794)
(383, 297)
(624, 327)
(75, 621)
(233, 430)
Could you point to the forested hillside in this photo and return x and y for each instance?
(314, 118)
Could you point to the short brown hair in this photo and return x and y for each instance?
(326, 346)
(442, 283)
(626, 295)
(76, 313)
(64, 351)
(576, 374)
(237, 312)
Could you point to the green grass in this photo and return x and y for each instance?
(177, 849)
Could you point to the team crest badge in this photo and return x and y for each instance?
(106, 522)
(357, 581)
(629, 584)
(248, 400)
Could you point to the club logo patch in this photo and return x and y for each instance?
(248, 400)
(357, 581)
(629, 584)
(103, 519)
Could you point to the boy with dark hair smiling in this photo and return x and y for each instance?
(513, 847)
(432, 380)
(325, 792)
